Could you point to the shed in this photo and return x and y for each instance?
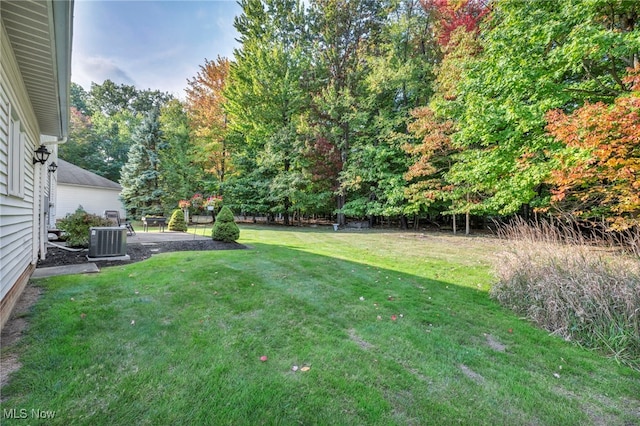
(79, 187)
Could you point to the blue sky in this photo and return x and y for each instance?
(150, 44)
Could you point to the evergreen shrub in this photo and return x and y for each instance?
(225, 228)
(177, 223)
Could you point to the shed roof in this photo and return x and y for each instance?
(71, 174)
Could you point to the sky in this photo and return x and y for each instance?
(150, 44)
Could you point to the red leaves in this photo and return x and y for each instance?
(454, 14)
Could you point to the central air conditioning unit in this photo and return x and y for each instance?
(107, 241)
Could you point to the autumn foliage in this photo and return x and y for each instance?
(432, 156)
(206, 114)
(601, 176)
(453, 14)
(324, 162)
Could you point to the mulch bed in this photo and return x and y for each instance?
(137, 252)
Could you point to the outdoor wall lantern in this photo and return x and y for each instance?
(41, 155)
(52, 167)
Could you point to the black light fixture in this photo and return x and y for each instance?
(52, 167)
(42, 155)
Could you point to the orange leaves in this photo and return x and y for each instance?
(606, 181)
(206, 115)
(435, 134)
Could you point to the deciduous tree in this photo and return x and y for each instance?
(265, 98)
(207, 118)
(599, 175)
(536, 56)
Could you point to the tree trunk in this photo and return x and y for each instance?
(285, 215)
(341, 199)
(467, 228)
(287, 201)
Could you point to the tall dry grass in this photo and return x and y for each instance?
(580, 288)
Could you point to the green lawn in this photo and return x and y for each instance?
(395, 328)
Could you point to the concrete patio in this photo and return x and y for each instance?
(142, 237)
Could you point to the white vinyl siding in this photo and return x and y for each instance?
(93, 200)
(18, 206)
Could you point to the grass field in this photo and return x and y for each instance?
(359, 327)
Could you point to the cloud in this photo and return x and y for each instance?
(98, 69)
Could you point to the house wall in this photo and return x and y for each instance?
(19, 241)
(93, 200)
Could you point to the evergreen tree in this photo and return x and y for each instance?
(141, 192)
(225, 228)
(177, 223)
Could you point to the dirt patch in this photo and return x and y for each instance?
(495, 343)
(598, 407)
(17, 323)
(357, 339)
(8, 364)
(13, 331)
(471, 374)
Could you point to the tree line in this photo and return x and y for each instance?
(403, 109)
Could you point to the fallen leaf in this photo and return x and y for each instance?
(378, 317)
(263, 358)
(305, 368)
(83, 316)
(294, 368)
(133, 322)
(361, 298)
(72, 299)
(393, 317)
(556, 375)
(511, 330)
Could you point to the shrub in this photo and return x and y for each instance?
(225, 228)
(568, 286)
(177, 223)
(76, 227)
